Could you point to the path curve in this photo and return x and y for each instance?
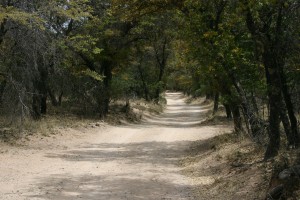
(125, 162)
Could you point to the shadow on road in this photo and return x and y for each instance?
(164, 153)
(86, 187)
(177, 114)
(146, 166)
(132, 170)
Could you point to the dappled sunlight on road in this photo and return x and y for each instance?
(133, 161)
(178, 114)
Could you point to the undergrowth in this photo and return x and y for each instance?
(14, 129)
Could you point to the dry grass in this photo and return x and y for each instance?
(45, 127)
(285, 160)
(233, 166)
(119, 114)
(57, 119)
(228, 166)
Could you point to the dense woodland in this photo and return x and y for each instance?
(82, 54)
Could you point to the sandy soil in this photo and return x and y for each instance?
(125, 162)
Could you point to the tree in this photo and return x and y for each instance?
(270, 25)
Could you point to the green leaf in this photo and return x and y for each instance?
(97, 50)
(93, 75)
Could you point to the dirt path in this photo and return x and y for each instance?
(126, 162)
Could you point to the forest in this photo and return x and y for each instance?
(80, 55)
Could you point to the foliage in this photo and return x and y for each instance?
(243, 54)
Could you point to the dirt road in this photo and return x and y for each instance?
(125, 162)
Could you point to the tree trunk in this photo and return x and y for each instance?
(286, 124)
(53, 99)
(272, 43)
(43, 94)
(161, 61)
(60, 98)
(253, 122)
(273, 131)
(232, 107)
(254, 103)
(2, 88)
(161, 73)
(290, 108)
(35, 106)
(106, 67)
(228, 111)
(44, 104)
(42, 86)
(39, 101)
(3, 30)
(237, 119)
(208, 96)
(146, 91)
(275, 99)
(216, 102)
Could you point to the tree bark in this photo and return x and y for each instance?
(3, 30)
(273, 47)
(216, 103)
(53, 99)
(44, 104)
(161, 61)
(43, 93)
(60, 98)
(290, 108)
(208, 96)
(275, 98)
(35, 106)
(253, 122)
(228, 111)
(42, 85)
(106, 68)
(2, 88)
(237, 119)
(273, 130)
(232, 107)
(145, 88)
(286, 124)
